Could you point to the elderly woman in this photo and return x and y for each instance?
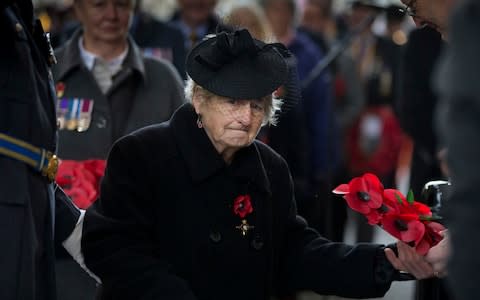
(196, 208)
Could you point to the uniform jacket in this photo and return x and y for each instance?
(150, 33)
(164, 227)
(27, 207)
(154, 86)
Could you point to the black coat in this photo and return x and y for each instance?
(416, 105)
(27, 112)
(164, 226)
(459, 121)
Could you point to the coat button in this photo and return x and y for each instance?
(102, 122)
(18, 27)
(257, 243)
(215, 236)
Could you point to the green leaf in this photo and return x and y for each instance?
(430, 218)
(398, 198)
(410, 197)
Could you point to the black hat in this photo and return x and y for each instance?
(237, 66)
(395, 12)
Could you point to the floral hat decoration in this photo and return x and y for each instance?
(238, 66)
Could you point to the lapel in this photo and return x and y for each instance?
(142, 98)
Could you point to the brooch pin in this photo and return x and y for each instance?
(242, 206)
(244, 227)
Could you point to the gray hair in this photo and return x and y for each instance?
(272, 108)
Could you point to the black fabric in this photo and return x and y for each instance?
(27, 112)
(458, 123)
(237, 66)
(66, 213)
(166, 190)
(417, 103)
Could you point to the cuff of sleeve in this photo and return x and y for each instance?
(385, 272)
(66, 215)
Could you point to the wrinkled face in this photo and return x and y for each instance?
(105, 20)
(230, 124)
(433, 13)
(196, 11)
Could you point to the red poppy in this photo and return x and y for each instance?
(364, 193)
(81, 180)
(402, 217)
(342, 189)
(405, 227)
(242, 206)
(431, 237)
(374, 217)
(394, 200)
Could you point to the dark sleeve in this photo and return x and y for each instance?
(66, 215)
(311, 262)
(460, 126)
(118, 232)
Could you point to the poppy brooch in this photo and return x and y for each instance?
(242, 206)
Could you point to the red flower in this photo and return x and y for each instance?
(405, 227)
(81, 180)
(242, 206)
(363, 194)
(374, 217)
(431, 238)
(403, 217)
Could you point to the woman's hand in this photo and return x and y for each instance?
(409, 261)
(438, 255)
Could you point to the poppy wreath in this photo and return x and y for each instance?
(404, 218)
(81, 180)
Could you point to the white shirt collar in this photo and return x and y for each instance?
(88, 57)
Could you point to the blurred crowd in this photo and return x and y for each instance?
(362, 108)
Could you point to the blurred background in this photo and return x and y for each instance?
(366, 101)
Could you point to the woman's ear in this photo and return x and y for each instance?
(197, 101)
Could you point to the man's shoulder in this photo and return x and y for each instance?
(160, 68)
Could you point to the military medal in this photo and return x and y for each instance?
(159, 53)
(62, 109)
(60, 88)
(71, 123)
(73, 113)
(242, 206)
(85, 117)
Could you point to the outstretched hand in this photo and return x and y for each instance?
(438, 255)
(409, 261)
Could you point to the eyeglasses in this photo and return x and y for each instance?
(410, 9)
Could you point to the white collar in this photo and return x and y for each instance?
(88, 57)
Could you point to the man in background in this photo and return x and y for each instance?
(458, 128)
(196, 19)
